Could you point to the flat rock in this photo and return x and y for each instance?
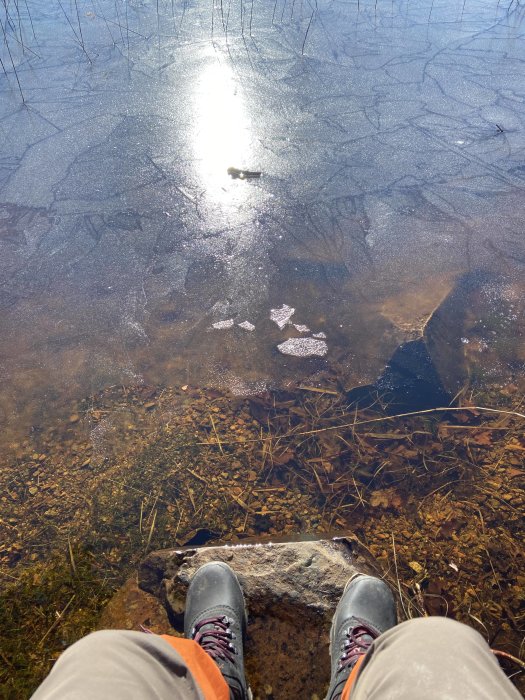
(291, 591)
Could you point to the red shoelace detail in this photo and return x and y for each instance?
(357, 643)
(216, 641)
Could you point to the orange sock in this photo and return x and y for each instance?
(351, 679)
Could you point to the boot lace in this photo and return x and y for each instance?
(358, 640)
(216, 640)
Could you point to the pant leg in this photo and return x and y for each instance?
(122, 665)
(432, 658)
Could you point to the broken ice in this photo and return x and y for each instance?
(247, 326)
(303, 347)
(282, 316)
(223, 324)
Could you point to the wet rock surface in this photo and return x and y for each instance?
(291, 591)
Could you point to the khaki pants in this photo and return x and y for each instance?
(423, 659)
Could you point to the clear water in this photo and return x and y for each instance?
(390, 137)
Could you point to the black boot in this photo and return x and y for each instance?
(215, 618)
(366, 610)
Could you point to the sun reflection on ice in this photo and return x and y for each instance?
(222, 136)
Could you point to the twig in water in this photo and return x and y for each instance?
(79, 26)
(57, 621)
(151, 529)
(12, 62)
(71, 557)
(127, 29)
(374, 420)
(118, 23)
(397, 576)
(216, 434)
(274, 9)
(505, 655)
(307, 30)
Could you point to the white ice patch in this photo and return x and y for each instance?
(303, 347)
(247, 326)
(223, 324)
(302, 329)
(282, 316)
(320, 335)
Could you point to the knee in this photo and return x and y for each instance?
(436, 628)
(98, 643)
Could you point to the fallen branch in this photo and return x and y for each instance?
(505, 655)
(328, 428)
(55, 624)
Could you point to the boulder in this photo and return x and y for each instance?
(475, 335)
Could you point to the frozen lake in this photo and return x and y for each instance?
(391, 145)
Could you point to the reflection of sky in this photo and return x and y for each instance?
(221, 131)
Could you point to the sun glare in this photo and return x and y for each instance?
(222, 129)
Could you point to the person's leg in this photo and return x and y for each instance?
(124, 665)
(121, 665)
(432, 657)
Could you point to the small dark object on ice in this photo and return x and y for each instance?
(238, 174)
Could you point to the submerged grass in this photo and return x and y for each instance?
(44, 608)
(437, 500)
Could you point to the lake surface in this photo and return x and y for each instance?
(390, 137)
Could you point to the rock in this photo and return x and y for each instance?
(291, 592)
(410, 381)
(475, 334)
(132, 608)
(483, 323)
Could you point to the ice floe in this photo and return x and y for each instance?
(303, 347)
(282, 316)
(223, 324)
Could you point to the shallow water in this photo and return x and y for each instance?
(390, 138)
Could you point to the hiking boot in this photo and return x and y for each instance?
(365, 611)
(215, 618)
